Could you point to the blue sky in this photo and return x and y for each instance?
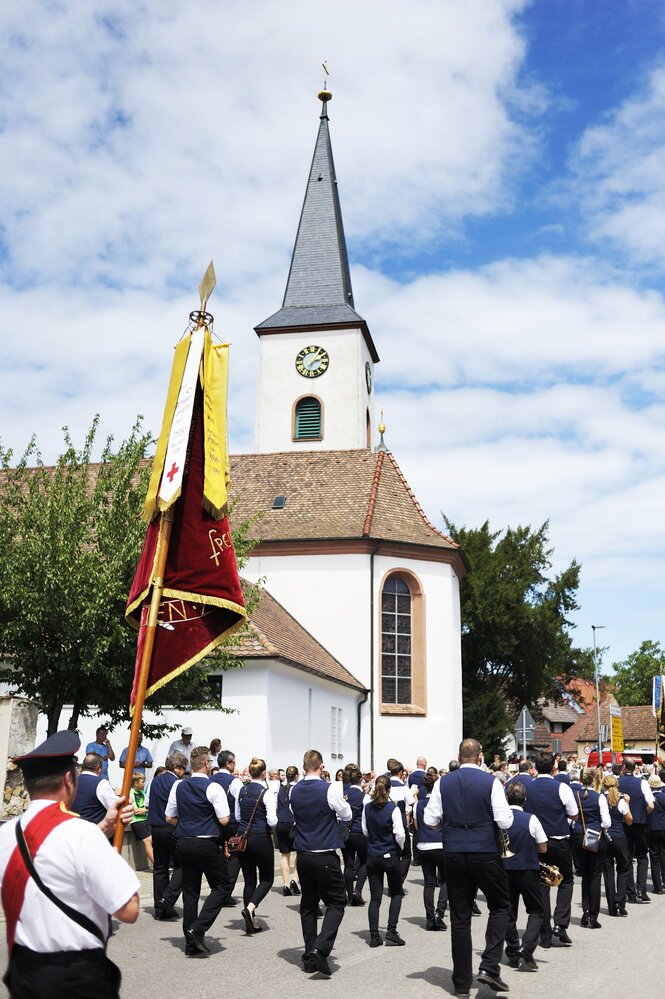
(502, 177)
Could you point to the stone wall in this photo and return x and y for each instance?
(18, 729)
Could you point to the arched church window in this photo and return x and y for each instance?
(308, 423)
(402, 662)
(396, 634)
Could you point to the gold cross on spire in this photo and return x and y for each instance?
(326, 74)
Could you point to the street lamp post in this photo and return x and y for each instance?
(595, 628)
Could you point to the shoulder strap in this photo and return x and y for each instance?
(258, 802)
(77, 917)
(581, 812)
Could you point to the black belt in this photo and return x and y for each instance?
(468, 825)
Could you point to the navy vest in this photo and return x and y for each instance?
(355, 798)
(632, 786)
(417, 779)
(196, 816)
(379, 822)
(522, 844)
(543, 801)
(247, 797)
(160, 788)
(283, 808)
(563, 777)
(617, 829)
(224, 778)
(656, 819)
(425, 833)
(524, 779)
(316, 822)
(590, 810)
(468, 818)
(86, 803)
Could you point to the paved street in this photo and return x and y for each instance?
(624, 958)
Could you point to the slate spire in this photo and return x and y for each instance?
(318, 289)
(319, 273)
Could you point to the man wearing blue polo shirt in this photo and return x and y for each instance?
(103, 748)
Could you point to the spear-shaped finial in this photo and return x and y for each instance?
(208, 282)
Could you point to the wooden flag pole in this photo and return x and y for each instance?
(165, 527)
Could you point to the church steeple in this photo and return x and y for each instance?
(318, 289)
(317, 355)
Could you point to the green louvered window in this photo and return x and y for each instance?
(308, 419)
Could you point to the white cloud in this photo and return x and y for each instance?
(618, 172)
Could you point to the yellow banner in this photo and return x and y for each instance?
(216, 476)
(150, 508)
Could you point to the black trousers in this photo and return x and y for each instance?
(355, 851)
(465, 874)
(406, 853)
(165, 885)
(86, 974)
(527, 885)
(321, 879)
(233, 860)
(592, 868)
(616, 890)
(656, 844)
(637, 850)
(559, 854)
(257, 859)
(377, 868)
(199, 857)
(433, 864)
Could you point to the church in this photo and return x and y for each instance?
(355, 646)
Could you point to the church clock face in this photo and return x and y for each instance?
(312, 361)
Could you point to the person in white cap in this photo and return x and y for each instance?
(183, 745)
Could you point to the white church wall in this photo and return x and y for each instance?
(341, 389)
(306, 712)
(438, 733)
(329, 595)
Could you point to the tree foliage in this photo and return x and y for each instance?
(516, 629)
(632, 682)
(70, 538)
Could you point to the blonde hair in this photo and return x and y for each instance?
(256, 767)
(611, 787)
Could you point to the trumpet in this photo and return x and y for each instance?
(550, 875)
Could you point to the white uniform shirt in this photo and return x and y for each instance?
(501, 811)
(79, 866)
(536, 830)
(402, 792)
(215, 794)
(268, 800)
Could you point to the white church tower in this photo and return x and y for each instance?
(317, 355)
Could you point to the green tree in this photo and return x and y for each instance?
(632, 682)
(516, 628)
(70, 537)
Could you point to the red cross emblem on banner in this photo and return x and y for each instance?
(172, 474)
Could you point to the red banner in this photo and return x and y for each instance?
(202, 603)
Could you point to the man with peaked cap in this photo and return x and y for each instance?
(60, 882)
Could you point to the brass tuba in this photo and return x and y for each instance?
(504, 838)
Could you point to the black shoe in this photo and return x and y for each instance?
(195, 941)
(286, 891)
(375, 941)
(229, 902)
(584, 921)
(513, 962)
(528, 961)
(562, 934)
(440, 922)
(433, 925)
(250, 927)
(658, 891)
(593, 923)
(475, 910)
(494, 981)
(463, 993)
(321, 960)
(356, 899)
(622, 910)
(308, 964)
(634, 899)
(394, 939)
(165, 913)
(193, 952)
(295, 889)
(644, 898)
